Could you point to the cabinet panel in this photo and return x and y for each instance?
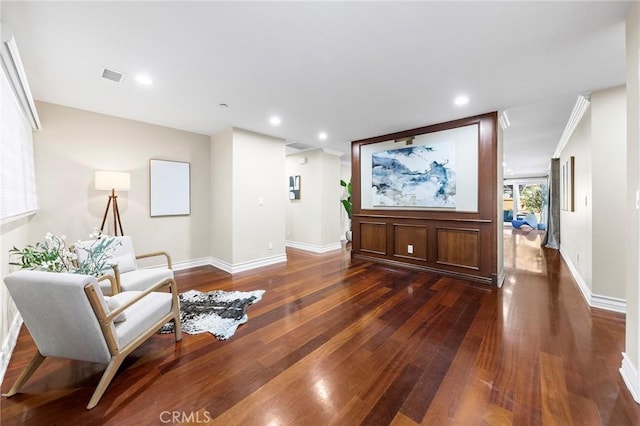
(410, 241)
(373, 237)
(458, 247)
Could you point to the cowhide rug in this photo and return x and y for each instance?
(217, 312)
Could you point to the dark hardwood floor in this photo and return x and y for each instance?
(336, 341)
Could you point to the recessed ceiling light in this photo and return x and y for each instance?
(144, 79)
(275, 120)
(461, 100)
(322, 136)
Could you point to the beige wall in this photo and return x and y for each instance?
(608, 174)
(575, 229)
(313, 222)
(221, 194)
(631, 219)
(73, 144)
(589, 243)
(259, 197)
(15, 233)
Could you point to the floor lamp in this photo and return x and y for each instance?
(110, 181)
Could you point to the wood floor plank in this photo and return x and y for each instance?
(350, 342)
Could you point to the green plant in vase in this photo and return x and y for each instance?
(348, 206)
(53, 255)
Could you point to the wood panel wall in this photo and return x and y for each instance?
(454, 243)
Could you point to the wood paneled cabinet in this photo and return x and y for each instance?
(446, 240)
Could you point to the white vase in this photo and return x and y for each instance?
(348, 234)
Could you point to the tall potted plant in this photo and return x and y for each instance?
(348, 207)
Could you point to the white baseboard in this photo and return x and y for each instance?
(245, 266)
(629, 374)
(593, 300)
(186, 264)
(582, 284)
(609, 303)
(312, 247)
(9, 344)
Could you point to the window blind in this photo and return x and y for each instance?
(17, 172)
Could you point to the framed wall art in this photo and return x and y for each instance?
(169, 188)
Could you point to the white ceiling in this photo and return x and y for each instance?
(352, 69)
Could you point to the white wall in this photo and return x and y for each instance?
(608, 174)
(73, 144)
(313, 222)
(575, 229)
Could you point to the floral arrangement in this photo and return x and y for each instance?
(53, 255)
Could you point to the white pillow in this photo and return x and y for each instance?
(114, 304)
(120, 299)
(126, 262)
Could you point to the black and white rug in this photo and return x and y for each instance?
(217, 312)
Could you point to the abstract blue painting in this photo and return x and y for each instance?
(415, 176)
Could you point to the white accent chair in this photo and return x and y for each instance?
(128, 276)
(68, 317)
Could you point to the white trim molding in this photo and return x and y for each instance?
(245, 266)
(11, 61)
(186, 264)
(629, 374)
(593, 300)
(609, 303)
(581, 106)
(312, 247)
(9, 344)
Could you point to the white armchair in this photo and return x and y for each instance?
(68, 317)
(128, 276)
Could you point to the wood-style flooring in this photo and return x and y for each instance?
(348, 342)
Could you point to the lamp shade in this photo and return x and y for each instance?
(113, 180)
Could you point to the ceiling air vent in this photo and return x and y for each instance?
(112, 75)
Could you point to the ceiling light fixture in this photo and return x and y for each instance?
(461, 100)
(275, 120)
(322, 136)
(144, 79)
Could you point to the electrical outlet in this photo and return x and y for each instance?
(577, 257)
(410, 249)
(270, 247)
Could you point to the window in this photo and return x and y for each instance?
(17, 173)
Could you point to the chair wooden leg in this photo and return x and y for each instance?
(26, 373)
(107, 376)
(176, 314)
(177, 326)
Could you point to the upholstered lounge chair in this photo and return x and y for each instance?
(128, 276)
(68, 317)
(529, 219)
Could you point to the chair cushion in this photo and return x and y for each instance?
(142, 315)
(138, 280)
(142, 279)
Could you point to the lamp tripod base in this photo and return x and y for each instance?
(117, 224)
